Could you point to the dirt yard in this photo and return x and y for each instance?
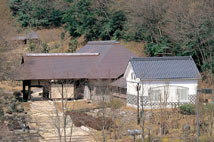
(167, 125)
(77, 105)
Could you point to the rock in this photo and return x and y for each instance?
(174, 124)
(19, 108)
(18, 132)
(96, 111)
(108, 111)
(85, 128)
(186, 127)
(123, 113)
(148, 115)
(33, 131)
(12, 107)
(156, 140)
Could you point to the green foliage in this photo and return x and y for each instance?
(113, 26)
(45, 48)
(32, 46)
(36, 13)
(73, 45)
(115, 104)
(82, 19)
(188, 109)
(1, 112)
(209, 107)
(56, 46)
(162, 27)
(62, 35)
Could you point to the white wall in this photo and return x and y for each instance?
(56, 91)
(170, 85)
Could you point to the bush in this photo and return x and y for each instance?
(17, 94)
(115, 104)
(209, 107)
(72, 46)
(45, 48)
(188, 109)
(1, 112)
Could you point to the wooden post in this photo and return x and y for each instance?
(24, 91)
(29, 91)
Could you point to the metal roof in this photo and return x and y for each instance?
(93, 61)
(155, 68)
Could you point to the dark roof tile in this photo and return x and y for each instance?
(165, 68)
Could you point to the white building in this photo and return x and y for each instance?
(163, 81)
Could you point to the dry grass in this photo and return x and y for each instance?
(77, 105)
(26, 106)
(50, 35)
(10, 85)
(7, 22)
(135, 47)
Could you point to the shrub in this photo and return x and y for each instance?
(115, 104)
(73, 45)
(17, 94)
(188, 109)
(209, 107)
(1, 112)
(45, 48)
(32, 46)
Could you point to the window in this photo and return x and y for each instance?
(155, 95)
(133, 76)
(182, 94)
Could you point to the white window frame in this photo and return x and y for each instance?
(133, 76)
(155, 95)
(183, 94)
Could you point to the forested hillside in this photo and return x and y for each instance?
(166, 27)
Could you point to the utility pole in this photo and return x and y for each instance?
(205, 91)
(197, 115)
(138, 107)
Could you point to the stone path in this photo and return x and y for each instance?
(45, 119)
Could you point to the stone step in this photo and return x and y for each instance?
(44, 118)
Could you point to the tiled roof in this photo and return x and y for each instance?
(155, 68)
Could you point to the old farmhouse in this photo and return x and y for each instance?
(96, 64)
(161, 81)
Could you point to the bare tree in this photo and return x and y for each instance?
(60, 117)
(103, 95)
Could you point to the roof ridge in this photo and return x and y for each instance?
(102, 42)
(161, 58)
(60, 54)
